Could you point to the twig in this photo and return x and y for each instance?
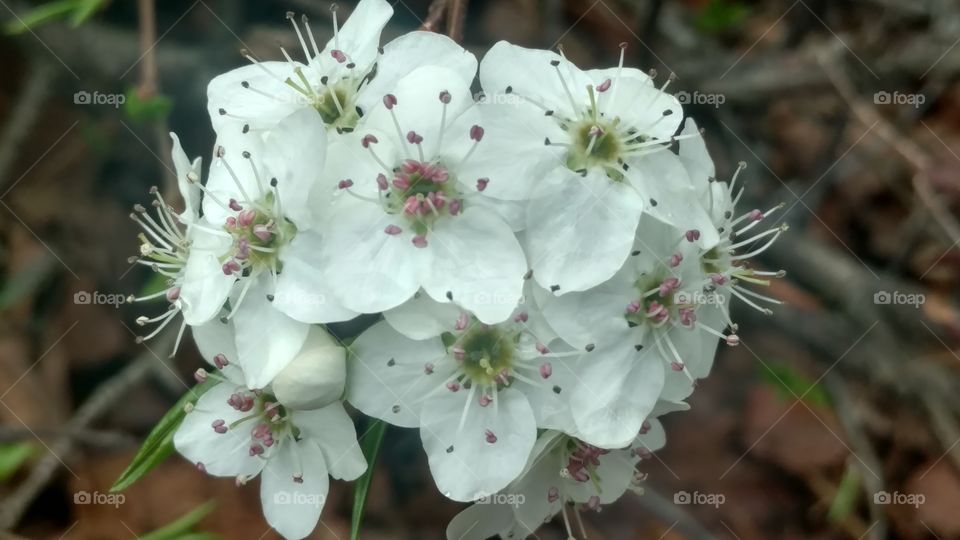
(905, 146)
(871, 472)
(150, 88)
(89, 437)
(670, 513)
(944, 428)
(456, 18)
(434, 14)
(103, 398)
(24, 115)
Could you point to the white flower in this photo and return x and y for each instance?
(590, 148)
(166, 241)
(341, 82)
(407, 217)
(643, 324)
(235, 431)
(260, 243)
(725, 263)
(562, 473)
(477, 392)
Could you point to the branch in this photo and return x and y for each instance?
(107, 395)
(434, 14)
(24, 115)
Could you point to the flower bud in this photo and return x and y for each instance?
(316, 376)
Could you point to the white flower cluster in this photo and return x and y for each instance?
(553, 262)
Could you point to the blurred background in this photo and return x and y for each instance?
(837, 417)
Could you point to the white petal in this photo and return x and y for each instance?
(267, 340)
(205, 287)
(232, 176)
(316, 376)
(419, 108)
(660, 177)
(594, 316)
(388, 374)
(618, 389)
(332, 429)
(550, 398)
(411, 51)
(512, 154)
(476, 467)
(422, 317)
(615, 474)
(580, 233)
(477, 258)
(221, 454)
(529, 73)
(260, 104)
(479, 522)
(302, 292)
(293, 153)
(654, 439)
(189, 190)
(293, 508)
(369, 271)
(358, 38)
(214, 338)
(642, 106)
(695, 158)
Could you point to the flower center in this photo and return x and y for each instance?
(486, 354)
(257, 235)
(335, 103)
(423, 192)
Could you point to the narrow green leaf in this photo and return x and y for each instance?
(159, 443)
(40, 15)
(845, 501)
(788, 383)
(84, 10)
(12, 457)
(370, 444)
(181, 528)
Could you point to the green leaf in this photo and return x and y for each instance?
(12, 457)
(720, 16)
(180, 529)
(790, 383)
(84, 10)
(146, 111)
(159, 443)
(370, 444)
(845, 500)
(40, 15)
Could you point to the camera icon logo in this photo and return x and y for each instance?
(681, 497)
(882, 298)
(282, 497)
(881, 497)
(81, 98)
(881, 98)
(683, 97)
(81, 497)
(82, 297)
